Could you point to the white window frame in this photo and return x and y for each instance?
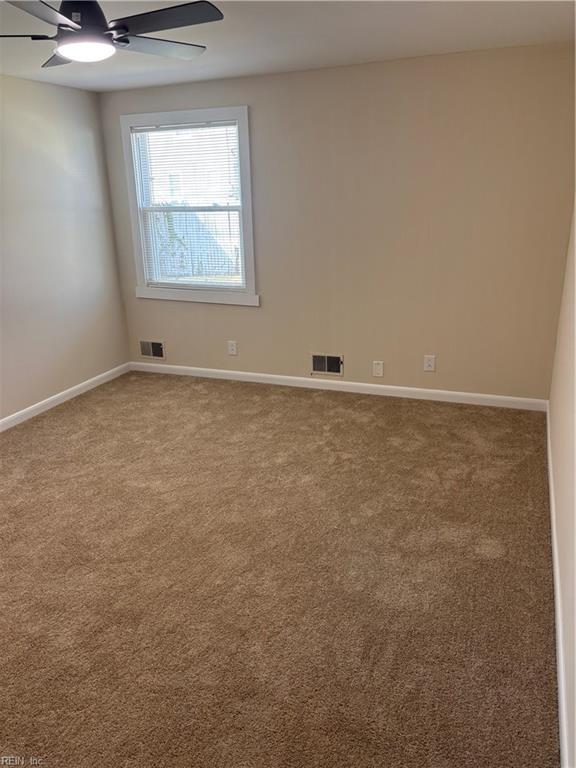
(243, 296)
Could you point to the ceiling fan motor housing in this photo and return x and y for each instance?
(87, 13)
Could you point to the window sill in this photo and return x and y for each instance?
(204, 296)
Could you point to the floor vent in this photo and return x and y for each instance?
(332, 364)
(152, 349)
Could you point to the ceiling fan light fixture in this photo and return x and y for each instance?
(85, 49)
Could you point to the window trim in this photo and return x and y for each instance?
(245, 296)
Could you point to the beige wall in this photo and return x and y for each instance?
(62, 317)
(562, 428)
(400, 208)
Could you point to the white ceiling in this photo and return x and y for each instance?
(260, 37)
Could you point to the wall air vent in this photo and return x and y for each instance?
(152, 349)
(328, 364)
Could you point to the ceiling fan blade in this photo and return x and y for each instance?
(31, 37)
(168, 48)
(176, 16)
(43, 11)
(55, 61)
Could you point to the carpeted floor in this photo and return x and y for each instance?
(208, 574)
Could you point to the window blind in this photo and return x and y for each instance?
(190, 204)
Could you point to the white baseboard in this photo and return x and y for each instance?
(339, 385)
(561, 670)
(61, 397)
(470, 398)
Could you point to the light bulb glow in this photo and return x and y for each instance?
(86, 50)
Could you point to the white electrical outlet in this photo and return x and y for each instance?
(377, 368)
(429, 362)
(232, 348)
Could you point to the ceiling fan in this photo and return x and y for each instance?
(85, 35)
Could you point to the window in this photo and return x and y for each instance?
(189, 179)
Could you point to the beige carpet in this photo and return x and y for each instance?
(207, 574)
